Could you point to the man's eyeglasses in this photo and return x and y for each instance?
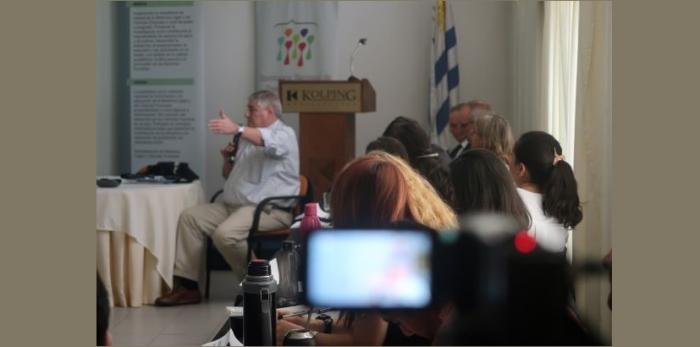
(458, 125)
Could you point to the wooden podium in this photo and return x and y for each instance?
(326, 124)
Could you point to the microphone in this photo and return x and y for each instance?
(236, 139)
(360, 42)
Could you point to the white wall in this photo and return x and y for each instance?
(484, 30)
(105, 135)
(527, 99)
(395, 59)
(229, 73)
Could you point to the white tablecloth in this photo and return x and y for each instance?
(136, 236)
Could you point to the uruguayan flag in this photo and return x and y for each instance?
(444, 74)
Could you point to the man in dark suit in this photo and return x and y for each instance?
(459, 126)
(462, 124)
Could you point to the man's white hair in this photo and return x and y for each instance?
(267, 98)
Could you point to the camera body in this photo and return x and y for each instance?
(409, 266)
(504, 289)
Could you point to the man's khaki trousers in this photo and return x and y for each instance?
(228, 227)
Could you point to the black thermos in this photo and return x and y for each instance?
(259, 305)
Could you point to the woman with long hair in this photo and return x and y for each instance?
(492, 132)
(374, 191)
(547, 185)
(483, 184)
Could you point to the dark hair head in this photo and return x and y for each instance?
(389, 145)
(421, 155)
(411, 135)
(554, 178)
(102, 312)
(482, 183)
(438, 175)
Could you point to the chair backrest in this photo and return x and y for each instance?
(303, 185)
(306, 191)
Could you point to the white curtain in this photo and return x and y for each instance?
(560, 59)
(577, 100)
(593, 151)
(561, 20)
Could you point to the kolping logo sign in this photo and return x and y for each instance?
(295, 42)
(329, 94)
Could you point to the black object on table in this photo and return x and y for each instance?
(108, 182)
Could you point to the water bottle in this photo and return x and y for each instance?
(259, 305)
(310, 221)
(299, 337)
(288, 261)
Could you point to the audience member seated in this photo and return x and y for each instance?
(103, 336)
(429, 160)
(492, 132)
(373, 191)
(483, 184)
(425, 324)
(266, 164)
(548, 187)
(460, 127)
(530, 306)
(461, 124)
(389, 145)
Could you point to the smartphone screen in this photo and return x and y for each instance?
(362, 268)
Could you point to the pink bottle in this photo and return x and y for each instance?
(310, 221)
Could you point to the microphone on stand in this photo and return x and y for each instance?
(236, 139)
(360, 42)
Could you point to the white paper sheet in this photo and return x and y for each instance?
(227, 340)
(275, 270)
(234, 311)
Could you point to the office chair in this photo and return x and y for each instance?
(265, 243)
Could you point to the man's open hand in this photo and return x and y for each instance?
(223, 125)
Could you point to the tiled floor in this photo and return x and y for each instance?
(189, 325)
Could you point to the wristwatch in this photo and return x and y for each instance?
(241, 129)
(327, 323)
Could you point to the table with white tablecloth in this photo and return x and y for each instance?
(136, 236)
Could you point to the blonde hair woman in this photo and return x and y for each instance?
(374, 191)
(492, 132)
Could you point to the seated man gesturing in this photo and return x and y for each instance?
(266, 164)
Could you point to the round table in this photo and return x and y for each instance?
(136, 235)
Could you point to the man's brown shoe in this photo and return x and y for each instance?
(180, 296)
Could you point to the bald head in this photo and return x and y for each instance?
(479, 105)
